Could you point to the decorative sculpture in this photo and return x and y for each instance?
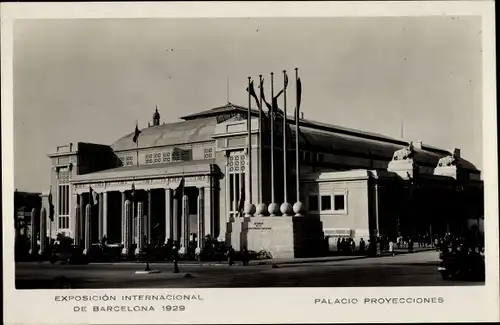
(447, 161)
(404, 153)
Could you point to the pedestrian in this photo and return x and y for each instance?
(175, 258)
(410, 245)
(342, 245)
(391, 247)
(339, 245)
(244, 256)
(230, 255)
(362, 245)
(353, 246)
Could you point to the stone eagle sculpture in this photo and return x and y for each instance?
(404, 153)
(447, 161)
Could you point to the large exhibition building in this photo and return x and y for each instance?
(185, 180)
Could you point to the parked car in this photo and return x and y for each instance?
(462, 265)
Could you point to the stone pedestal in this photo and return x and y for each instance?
(282, 237)
(404, 168)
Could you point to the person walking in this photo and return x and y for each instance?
(391, 247)
(362, 245)
(230, 255)
(244, 256)
(410, 245)
(175, 258)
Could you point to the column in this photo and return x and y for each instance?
(175, 222)
(100, 223)
(34, 246)
(126, 226)
(185, 222)
(201, 219)
(208, 205)
(140, 229)
(123, 217)
(77, 223)
(168, 214)
(82, 220)
(88, 229)
(43, 231)
(105, 214)
(73, 216)
(148, 221)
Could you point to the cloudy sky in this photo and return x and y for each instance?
(89, 80)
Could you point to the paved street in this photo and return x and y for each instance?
(417, 269)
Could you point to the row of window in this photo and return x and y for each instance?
(326, 202)
(167, 157)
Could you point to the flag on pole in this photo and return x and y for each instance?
(179, 191)
(92, 197)
(252, 93)
(269, 107)
(299, 95)
(51, 205)
(137, 132)
(133, 190)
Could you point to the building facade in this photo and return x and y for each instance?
(188, 179)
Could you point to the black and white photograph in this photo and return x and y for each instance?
(181, 153)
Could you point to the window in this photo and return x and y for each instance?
(339, 202)
(157, 158)
(185, 155)
(129, 161)
(208, 153)
(176, 155)
(236, 181)
(166, 157)
(149, 158)
(63, 199)
(313, 203)
(326, 202)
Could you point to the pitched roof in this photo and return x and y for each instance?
(177, 133)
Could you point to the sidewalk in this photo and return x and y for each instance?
(335, 258)
(284, 261)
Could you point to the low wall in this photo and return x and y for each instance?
(283, 237)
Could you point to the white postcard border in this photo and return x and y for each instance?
(292, 305)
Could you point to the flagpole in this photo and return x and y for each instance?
(285, 192)
(272, 137)
(50, 223)
(259, 152)
(297, 152)
(137, 143)
(249, 130)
